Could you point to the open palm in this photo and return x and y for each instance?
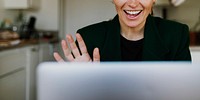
(72, 54)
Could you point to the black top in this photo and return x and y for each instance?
(131, 50)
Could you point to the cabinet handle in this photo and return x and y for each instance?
(12, 72)
(34, 50)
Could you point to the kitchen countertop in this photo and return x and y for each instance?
(195, 48)
(29, 42)
(46, 36)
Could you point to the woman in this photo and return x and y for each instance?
(133, 35)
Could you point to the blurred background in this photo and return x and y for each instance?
(30, 30)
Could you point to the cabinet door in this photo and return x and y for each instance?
(46, 52)
(33, 60)
(12, 74)
(12, 87)
(195, 56)
(16, 4)
(11, 60)
(21, 4)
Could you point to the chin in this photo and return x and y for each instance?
(132, 25)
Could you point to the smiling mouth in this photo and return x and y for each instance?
(133, 13)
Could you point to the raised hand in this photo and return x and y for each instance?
(77, 56)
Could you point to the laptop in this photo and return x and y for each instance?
(118, 81)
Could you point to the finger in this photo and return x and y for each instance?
(67, 51)
(73, 46)
(81, 44)
(96, 55)
(57, 57)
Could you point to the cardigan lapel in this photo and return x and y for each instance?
(154, 48)
(112, 48)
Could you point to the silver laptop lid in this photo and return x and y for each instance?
(118, 81)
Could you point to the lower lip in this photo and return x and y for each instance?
(133, 17)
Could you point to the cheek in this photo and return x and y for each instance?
(147, 3)
(119, 3)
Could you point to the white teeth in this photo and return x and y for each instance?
(133, 12)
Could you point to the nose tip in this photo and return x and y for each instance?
(133, 3)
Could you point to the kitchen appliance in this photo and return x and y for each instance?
(28, 29)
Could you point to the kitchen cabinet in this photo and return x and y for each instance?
(35, 55)
(12, 87)
(20, 4)
(195, 56)
(195, 53)
(46, 52)
(18, 71)
(13, 74)
(32, 54)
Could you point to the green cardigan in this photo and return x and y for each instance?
(164, 40)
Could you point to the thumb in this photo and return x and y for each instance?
(96, 55)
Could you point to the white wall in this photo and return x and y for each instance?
(46, 14)
(80, 13)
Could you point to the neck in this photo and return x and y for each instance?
(132, 33)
